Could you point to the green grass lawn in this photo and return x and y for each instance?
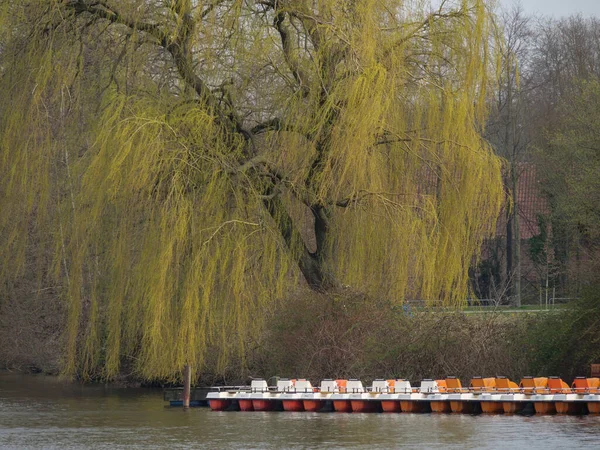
(522, 308)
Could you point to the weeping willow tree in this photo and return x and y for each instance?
(186, 162)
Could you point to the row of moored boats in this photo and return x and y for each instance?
(486, 395)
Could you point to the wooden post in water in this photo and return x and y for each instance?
(187, 381)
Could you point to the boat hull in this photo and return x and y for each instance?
(544, 407)
(219, 404)
(246, 405)
(411, 406)
(312, 405)
(342, 406)
(512, 407)
(391, 406)
(492, 407)
(363, 406)
(440, 407)
(569, 407)
(262, 405)
(593, 407)
(293, 405)
(460, 407)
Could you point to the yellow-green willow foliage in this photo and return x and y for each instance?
(188, 162)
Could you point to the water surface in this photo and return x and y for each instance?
(38, 412)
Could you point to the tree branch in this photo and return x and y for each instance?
(103, 10)
(422, 26)
(344, 203)
(276, 124)
(291, 59)
(177, 47)
(269, 125)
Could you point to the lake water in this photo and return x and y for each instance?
(38, 412)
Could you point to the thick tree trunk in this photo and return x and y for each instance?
(309, 263)
(312, 269)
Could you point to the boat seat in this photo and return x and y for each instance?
(355, 386)
(531, 385)
(442, 387)
(402, 386)
(391, 386)
(583, 385)
(428, 387)
(504, 385)
(303, 385)
(329, 385)
(558, 386)
(342, 386)
(382, 386)
(285, 385)
(259, 385)
(480, 384)
(454, 386)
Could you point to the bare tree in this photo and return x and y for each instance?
(508, 128)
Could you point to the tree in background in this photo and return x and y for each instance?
(542, 65)
(508, 130)
(572, 166)
(180, 164)
(565, 68)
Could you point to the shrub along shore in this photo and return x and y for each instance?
(346, 335)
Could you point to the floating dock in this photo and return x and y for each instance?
(496, 395)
